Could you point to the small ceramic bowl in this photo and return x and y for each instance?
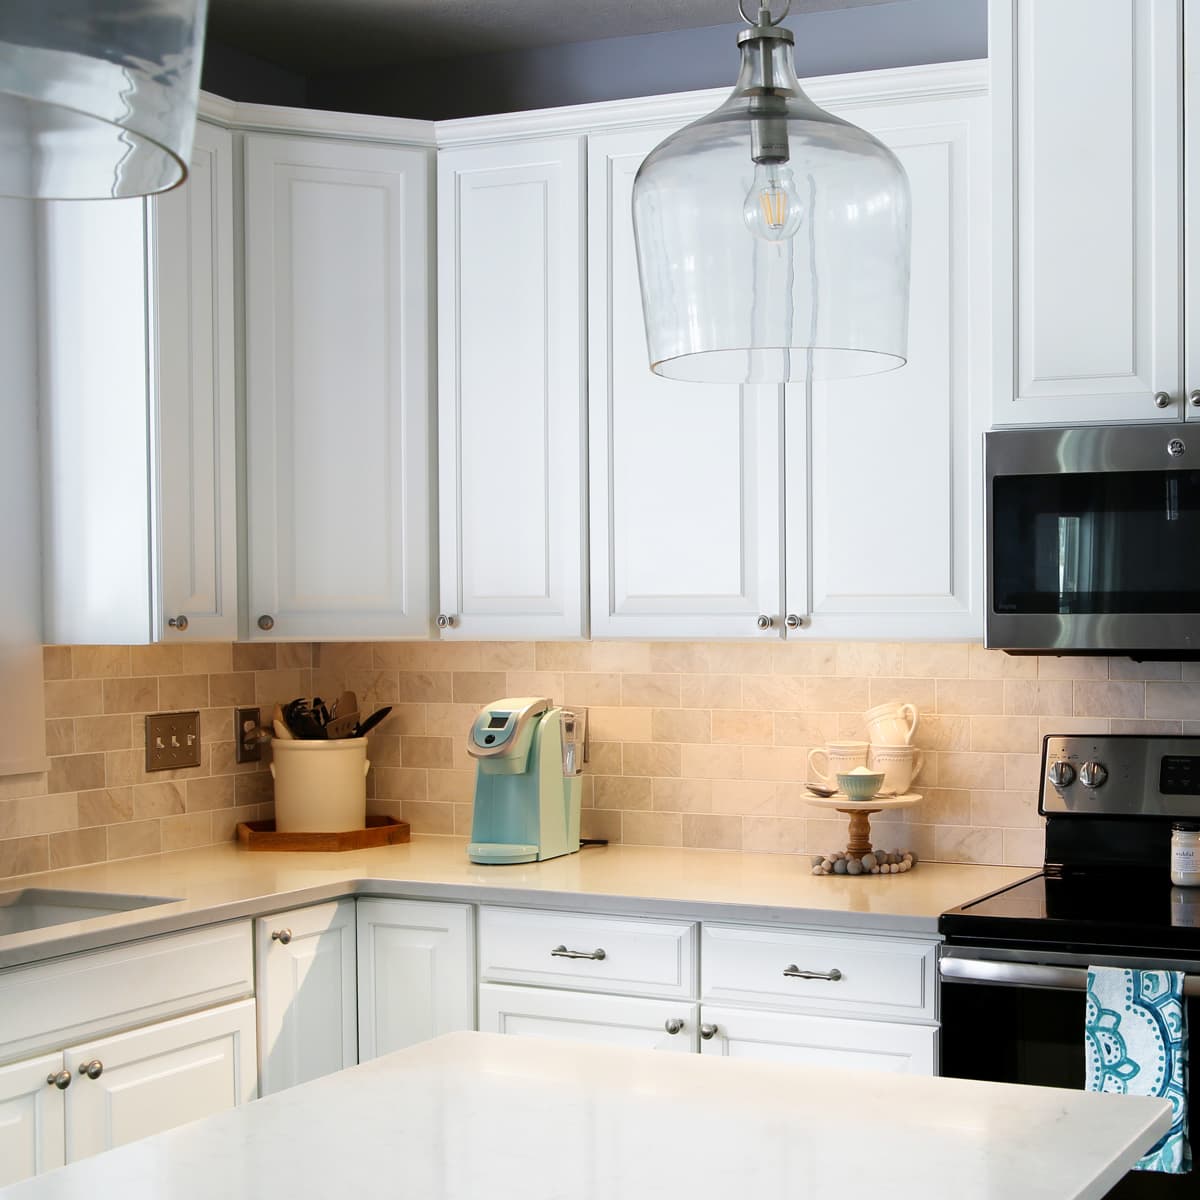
(864, 786)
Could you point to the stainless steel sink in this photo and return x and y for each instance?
(36, 908)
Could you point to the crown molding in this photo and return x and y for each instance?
(855, 90)
(839, 92)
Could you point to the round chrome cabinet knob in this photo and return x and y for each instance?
(1061, 774)
(1162, 399)
(708, 1032)
(792, 621)
(445, 621)
(180, 622)
(673, 1025)
(282, 936)
(266, 622)
(1194, 399)
(764, 622)
(1093, 774)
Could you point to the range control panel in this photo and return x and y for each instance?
(1121, 775)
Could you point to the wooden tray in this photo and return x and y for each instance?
(380, 831)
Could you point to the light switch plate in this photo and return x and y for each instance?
(172, 741)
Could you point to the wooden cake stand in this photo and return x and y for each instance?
(860, 813)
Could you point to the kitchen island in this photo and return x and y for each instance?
(470, 1115)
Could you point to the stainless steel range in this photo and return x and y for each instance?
(1014, 964)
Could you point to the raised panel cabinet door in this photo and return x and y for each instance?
(193, 364)
(511, 389)
(894, 461)
(337, 388)
(158, 1077)
(1191, 213)
(1087, 244)
(31, 1118)
(685, 478)
(416, 973)
(818, 1041)
(307, 989)
(667, 1025)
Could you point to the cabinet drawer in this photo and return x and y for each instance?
(47, 1005)
(597, 954)
(871, 975)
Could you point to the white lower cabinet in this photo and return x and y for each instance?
(819, 1041)
(668, 1025)
(62, 1107)
(159, 1077)
(32, 1118)
(416, 973)
(307, 994)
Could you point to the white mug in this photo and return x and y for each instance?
(839, 757)
(899, 765)
(891, 724)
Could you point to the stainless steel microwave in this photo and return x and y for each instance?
(1093, 540)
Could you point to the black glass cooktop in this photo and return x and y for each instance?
(1122, 913)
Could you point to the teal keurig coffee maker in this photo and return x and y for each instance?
(530, 753)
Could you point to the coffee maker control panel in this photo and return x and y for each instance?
(498, 728)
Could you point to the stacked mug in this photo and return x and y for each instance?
(889, 750)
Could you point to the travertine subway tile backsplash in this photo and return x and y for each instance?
(693, 744)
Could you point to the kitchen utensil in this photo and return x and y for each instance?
(900, 766)
(838, 757)
(304, 720)
(819, 790)
(860, 784)
(343, 726)
(366, 726)
(282, 731)
(891, 724)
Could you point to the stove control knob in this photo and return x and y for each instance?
(1093, 774)
(1061, 773)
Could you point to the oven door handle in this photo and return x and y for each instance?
(1019, 974)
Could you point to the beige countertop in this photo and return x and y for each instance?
(224, 882)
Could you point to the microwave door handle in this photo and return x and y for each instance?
(1019, 974)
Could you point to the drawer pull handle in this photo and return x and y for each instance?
(708, 1032)
(673, 1025)
(563, 952)
(282, 936)
(794, 972)
(60, 1079)
(93, 1069)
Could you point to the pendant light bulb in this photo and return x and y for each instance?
(773, 210)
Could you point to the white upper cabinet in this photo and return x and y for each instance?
(893, 543)
(685, 478)
(193, 370)
(1088, 246)
(337, 388)
(138, 438)
(511, 391)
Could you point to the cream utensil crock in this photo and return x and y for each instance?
(839, 758)
(891, 724)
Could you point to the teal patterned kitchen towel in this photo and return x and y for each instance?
(1136, 1045)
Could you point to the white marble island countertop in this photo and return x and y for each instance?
(471, 1115)
(225, 882)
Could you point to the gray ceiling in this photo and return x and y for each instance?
(312, 36)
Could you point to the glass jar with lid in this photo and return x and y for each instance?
(1185, 854)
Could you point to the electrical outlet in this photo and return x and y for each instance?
(245, 730)
(172, 741)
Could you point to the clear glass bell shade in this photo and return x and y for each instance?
(97, 97)
(791, 267)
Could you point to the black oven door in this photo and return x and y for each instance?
(1090, 539)
(1020, 1033)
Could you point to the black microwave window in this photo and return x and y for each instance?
(1096, 542)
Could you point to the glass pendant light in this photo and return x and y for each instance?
(97, 97)
(772, 236)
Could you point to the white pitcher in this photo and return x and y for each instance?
(891, 724)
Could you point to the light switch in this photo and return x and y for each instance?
(172, 741)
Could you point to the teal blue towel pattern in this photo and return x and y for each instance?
(1136, 1045)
